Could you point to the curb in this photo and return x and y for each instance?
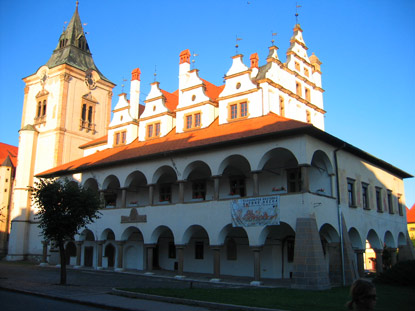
(190, 302)
(73, 300)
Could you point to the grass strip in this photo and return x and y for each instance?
(389, 297)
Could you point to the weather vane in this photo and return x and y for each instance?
(122, 85)
(194, 60)
(273, 34)
(236, 45)
(296, 12)
(155, 72)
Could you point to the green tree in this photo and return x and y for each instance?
(64, 207)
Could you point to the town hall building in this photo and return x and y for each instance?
(238, 179)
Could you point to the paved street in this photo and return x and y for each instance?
(93, 288)
(12, 301)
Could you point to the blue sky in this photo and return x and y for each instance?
(367, 48)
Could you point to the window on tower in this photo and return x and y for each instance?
(87, 122)
(40, 114)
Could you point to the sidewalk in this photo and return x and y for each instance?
(96, 288)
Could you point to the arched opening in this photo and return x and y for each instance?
(109, 253)
(70, 252)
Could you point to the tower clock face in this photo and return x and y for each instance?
(90, 80)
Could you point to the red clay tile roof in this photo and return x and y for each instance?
(172, 100)
(95, 142)
(214, 136)
(208, 137)
(8, 151)
(212, 91)
(410, 214)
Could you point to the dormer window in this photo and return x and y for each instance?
(120, 138)
(192, 120)
(238, 110)
(153, 130)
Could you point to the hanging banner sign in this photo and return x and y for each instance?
(252, 212)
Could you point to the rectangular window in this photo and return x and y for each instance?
(378, 200)
(298, 89)
(157, 129)
(307, 94)
(297, 66)
(365, 196)
(165, 193)
(120, 138)
(390, 204)
(198, 250)
(238, 110)
(234, 111)
(400, 209)
(197, 119)
(199, 190)
(294, 180)
(172, 250)
(351, 192)
(282, 107)
(189, 121)
(237, 186)
(150, 131)
(306, 72)
(153, 130)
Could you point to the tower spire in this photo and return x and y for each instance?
(73, 48)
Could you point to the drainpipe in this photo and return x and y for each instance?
(339, 211)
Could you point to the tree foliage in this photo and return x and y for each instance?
(64, 207)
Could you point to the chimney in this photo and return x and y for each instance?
(135, 93)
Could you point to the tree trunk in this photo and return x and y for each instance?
(63, 262)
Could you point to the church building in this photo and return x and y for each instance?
(238, 179)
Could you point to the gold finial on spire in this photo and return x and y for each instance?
(237, 45)
(296, 12)
(273, 34)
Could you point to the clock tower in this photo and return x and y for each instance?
(67, 103)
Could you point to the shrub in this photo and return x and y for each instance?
(403, 273)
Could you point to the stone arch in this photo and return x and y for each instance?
(87, 235)
(276, 166)
(107, 235)
(133, 249)
(277, 254)
(401, 239)
(236, 177)
(157, 232)
(164, 174)
(194, 230)
(135, 179)
(320, 174)
(389, 240)
(132, 234)
(199, 182)
(111, 190)
(197, 170)
(355, 239)
(164, 252)
(329, 233)
(136, 188)
(92, 184)
(374, 239)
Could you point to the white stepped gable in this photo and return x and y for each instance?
(121, 111)
(193, 91)
(238, 79)
(154, 102)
